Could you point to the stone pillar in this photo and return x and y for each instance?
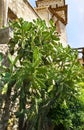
(3, 12)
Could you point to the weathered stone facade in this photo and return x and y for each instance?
(16, 9)
(22, 8)
(41, 3)
(56, 10)
(45, 9)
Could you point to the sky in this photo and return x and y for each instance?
(75, 26)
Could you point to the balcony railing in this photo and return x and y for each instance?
(80, 54)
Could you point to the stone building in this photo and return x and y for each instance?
(45, 9)
(56, 10)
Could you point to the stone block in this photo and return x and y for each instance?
(5, 35)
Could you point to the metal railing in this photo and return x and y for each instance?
(81, 54)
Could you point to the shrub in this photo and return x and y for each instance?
(45, 77)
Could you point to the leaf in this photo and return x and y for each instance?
(50, 88)
(37, 57)
(5, 88)
(38, 92)
(49, 59)
(7, 77)
(51, 22)
(36, 53)
(23, 44)
(26, 26)
(40, 83)
(81, 84)
(36, 63)
(46, 35)
(55, 38)
(10, 58)
(42, 70)
(1, 57)
(36, 105)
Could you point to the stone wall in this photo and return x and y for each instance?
(50, 2)
(44, 14)
(22, 8)
(63, 35)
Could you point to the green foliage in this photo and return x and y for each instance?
(46, 77)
